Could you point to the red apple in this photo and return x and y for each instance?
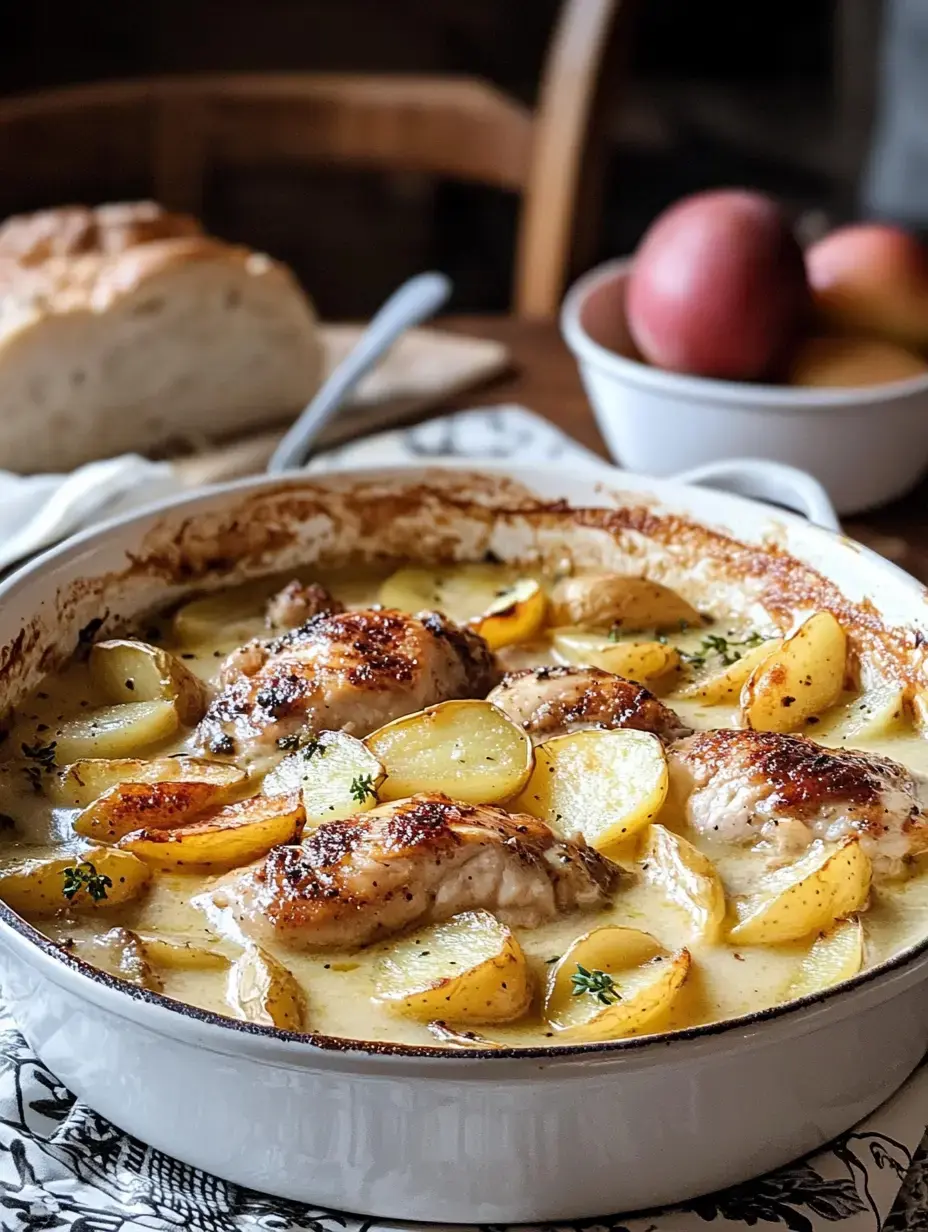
(718, 287)
(872, 279)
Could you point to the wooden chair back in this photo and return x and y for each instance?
(167, 133)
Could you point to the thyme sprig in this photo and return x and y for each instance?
(84, 876)
(598, 984)
(362, 788)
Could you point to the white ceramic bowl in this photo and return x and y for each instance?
(867, 446)
(419, 1133)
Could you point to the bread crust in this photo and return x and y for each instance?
(75, 230)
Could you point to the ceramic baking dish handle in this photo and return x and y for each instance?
(773, 482)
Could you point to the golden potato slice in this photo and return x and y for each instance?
(688, 878)
(226, 616)
(516, 615)
(469, 969)
(469, 750)
(84, 781)
(798, 681)
(877, 714)
(182, 955)
(613, 982)
(462, 592)
(725, 686)
(118, 952)
(97, 879)
(643, 662)
(606, 784)
(115, 731)
(262, 990)
(827, 884)
(129, 671)
(336, 774)
(228, 837)
(835, 956)
(603, 600)
(131, 806)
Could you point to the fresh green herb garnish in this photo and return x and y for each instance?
(362, 788)
(727, 649)
(85, 876)
(598, 984)
(43, 758)
(310, 747)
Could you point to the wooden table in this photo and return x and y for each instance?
(544, 379)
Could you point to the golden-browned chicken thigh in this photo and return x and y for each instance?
(787, 790)
(549, 701)
(416, 861)
(350, 671)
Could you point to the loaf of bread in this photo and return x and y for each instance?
(124, 328)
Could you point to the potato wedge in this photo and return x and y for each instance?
(262, 990)
(607, 784)
(115, 731)
(131, 806)
(613, 982)
(827, 884)
(129, 671)
(515, 615)
(468, 969)
(469, 750)
(336, 775)
(95, 880)
(182, 955)
(603, 600)
(83, 782)
(726, 685)
(688, 878)
(118, 952)
(877, 714)
(228, 837)
(800, 680)
(643, 662)
(835, 956)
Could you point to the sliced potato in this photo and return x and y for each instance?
(462, 592)
(115, 731)
(226, 616)
(643, 662)
(469, 750)
(84, 781)
(130, 806)
(336, 774)
(97, 879)
(798, 681)
(835, 956)
(182, 955)
(469, 969)
(688, 878)
(876, 715)
(607, 784)
(613, 982)
(129, 671)
(262, 990)
(725, 686)
(827, 884)
(602, 600)
(228, 837)
(516, 615)
(118, 952)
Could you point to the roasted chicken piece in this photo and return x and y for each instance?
(550, 701)
(296, 603)
(785, 790)
(349, 671)
(416, 861)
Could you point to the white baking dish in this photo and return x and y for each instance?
(867, 446)
(415, 1133)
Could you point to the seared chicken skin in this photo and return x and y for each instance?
(788, 790)
(550, 701)
(416, 861)
(296, 603)
(350, 671)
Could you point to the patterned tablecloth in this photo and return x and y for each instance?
(63, 1166)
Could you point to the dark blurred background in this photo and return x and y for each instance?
(778, 94)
